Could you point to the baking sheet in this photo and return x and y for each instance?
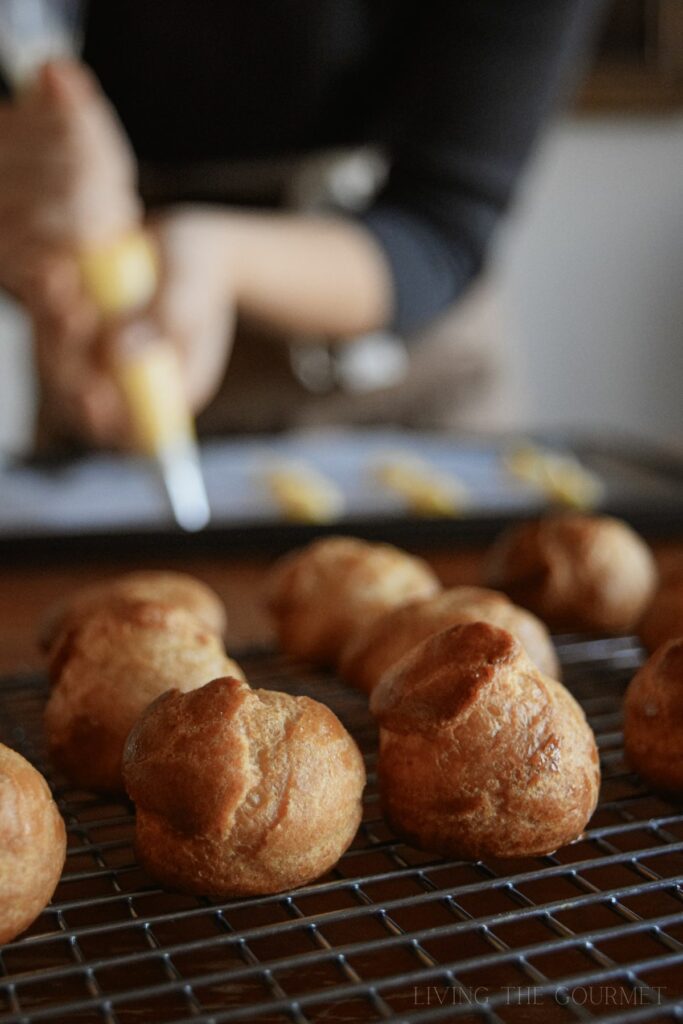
(102, 495)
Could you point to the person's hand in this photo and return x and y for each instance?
(193, 311)
(67, 182)
(294, 275)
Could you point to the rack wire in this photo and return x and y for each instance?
(392, 933)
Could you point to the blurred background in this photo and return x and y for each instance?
(588, 267)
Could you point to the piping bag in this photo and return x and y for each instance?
(121, 277)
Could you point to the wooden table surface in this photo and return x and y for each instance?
(26, 593)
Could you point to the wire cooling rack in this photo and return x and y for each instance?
(392, 933)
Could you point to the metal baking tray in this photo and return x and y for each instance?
(111, 506)
(594, 931)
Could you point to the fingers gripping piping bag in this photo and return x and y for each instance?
(121, 277)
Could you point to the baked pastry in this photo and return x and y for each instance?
(241, 791)
(663, 618)
(32, 844)
(108, 669)
(173, 588)
(653, 718)
(379, 645)
(321, 594)
(577, 572)
(480, 754)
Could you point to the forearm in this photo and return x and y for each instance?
(307, 275)
(469, 116)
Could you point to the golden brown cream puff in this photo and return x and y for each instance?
(653, 718)
(108, 669)
(480, 754)
(32, 844)
(663, 618)
(577, 572)
(376, 647)
(320, 595)
(240, 791)
(164, 586)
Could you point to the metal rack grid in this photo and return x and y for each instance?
(392, 933)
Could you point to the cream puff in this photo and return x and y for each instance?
(322, 594)
(108, 669)
(663, 618)
(240, 791)
(32, 844)
(576, 572)
(480, 754)
(164, 586)
(376, 647)
(653, 719)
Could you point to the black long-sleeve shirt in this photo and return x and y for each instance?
(454, 90)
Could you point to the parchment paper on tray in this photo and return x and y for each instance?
(104, 492)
